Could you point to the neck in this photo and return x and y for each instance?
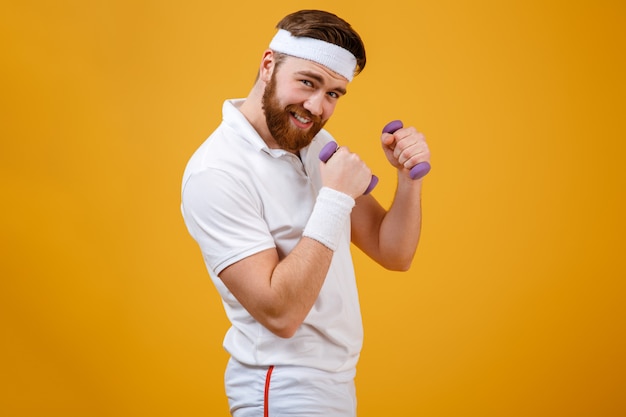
(252, 109)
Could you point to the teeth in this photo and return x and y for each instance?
(301, 119)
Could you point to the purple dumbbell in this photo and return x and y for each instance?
(419, 170)
(329, 149)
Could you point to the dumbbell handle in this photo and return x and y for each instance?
(329, 149)
(419, 170)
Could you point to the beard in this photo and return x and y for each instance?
(278, 119)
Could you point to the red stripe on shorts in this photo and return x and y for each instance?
(267, 391)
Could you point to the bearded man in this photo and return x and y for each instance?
(275, 224)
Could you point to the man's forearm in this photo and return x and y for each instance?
(296, 283)
(401, 227)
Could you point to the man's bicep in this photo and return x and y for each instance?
(365, 220)
(249, 281)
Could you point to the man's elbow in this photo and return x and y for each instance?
(286, 333)
(283, 328)
(401, 267)
(398, 264)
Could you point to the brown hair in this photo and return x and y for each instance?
(327, 27)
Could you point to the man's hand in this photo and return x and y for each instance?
(346, 172)
(405, 148)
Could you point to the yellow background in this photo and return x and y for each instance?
(515, 303)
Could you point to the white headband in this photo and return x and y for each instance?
(332, 56)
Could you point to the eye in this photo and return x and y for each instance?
(333, 94)
(307, 83)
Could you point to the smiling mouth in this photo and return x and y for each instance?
(303, 120)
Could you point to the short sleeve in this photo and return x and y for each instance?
(225, 217)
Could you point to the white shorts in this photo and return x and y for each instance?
(293, 391)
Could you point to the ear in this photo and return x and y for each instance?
(267, 66)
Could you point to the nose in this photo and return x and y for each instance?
(315, 104)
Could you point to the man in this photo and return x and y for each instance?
(274, 224)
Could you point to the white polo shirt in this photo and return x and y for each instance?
(240, 197)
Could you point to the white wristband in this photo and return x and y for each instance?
(327, 222)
